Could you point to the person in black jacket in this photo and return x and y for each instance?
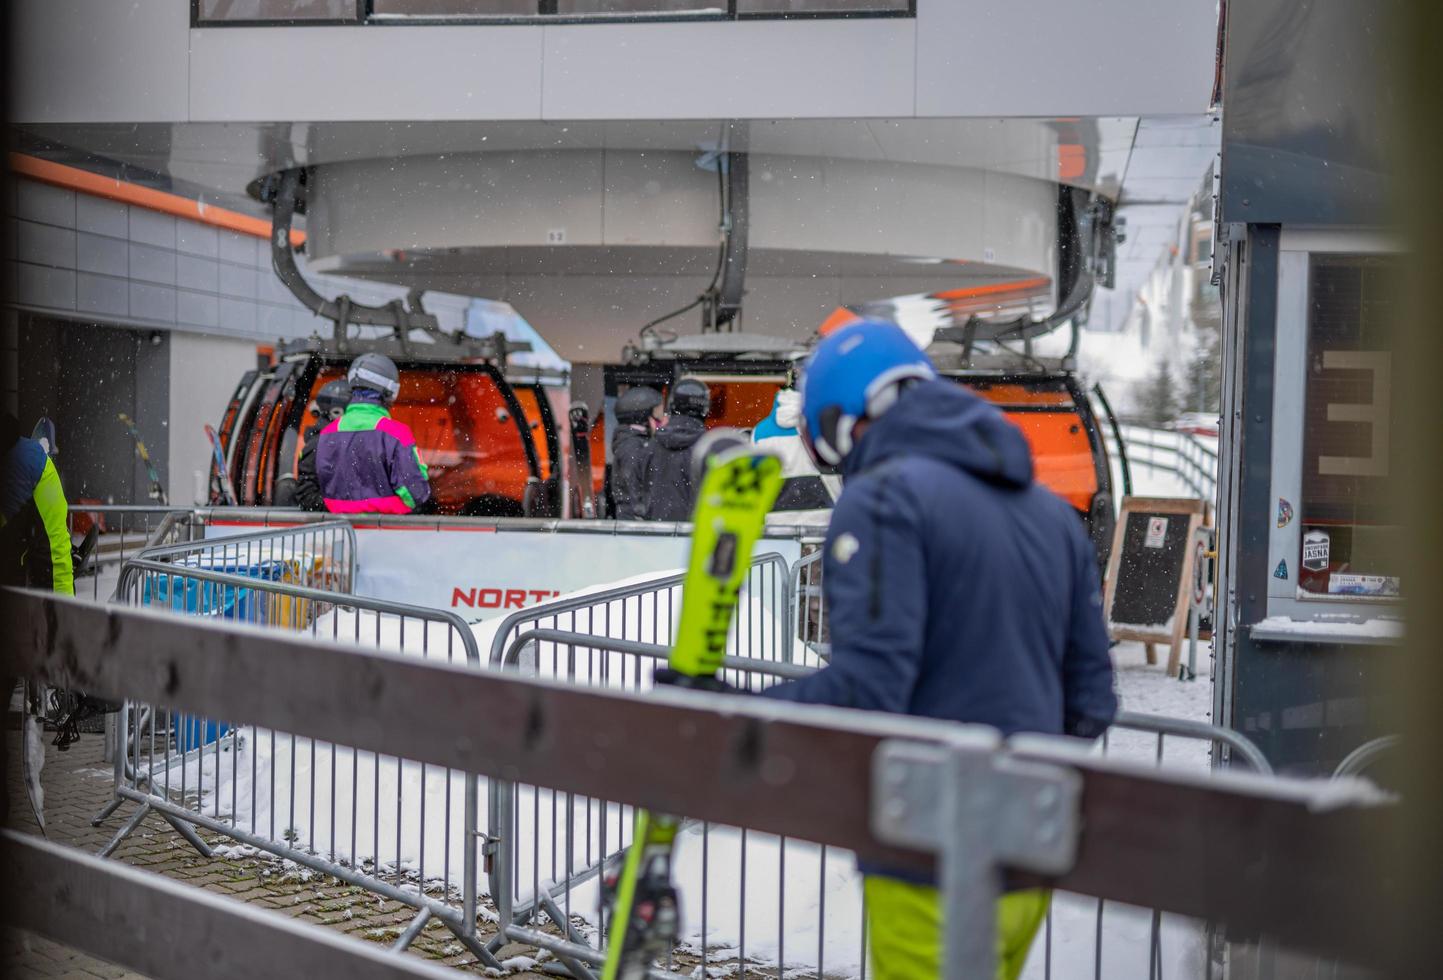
(303, 490)
(636, 417)
(669, 470)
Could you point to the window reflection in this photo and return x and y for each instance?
(1349, 532)
(356, 11)
(269, 10)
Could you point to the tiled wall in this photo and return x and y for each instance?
(71, 254)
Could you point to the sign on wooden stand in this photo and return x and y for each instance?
(1150, 572)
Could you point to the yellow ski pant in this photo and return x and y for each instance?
(904, 922)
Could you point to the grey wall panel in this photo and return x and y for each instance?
(79, 61)
(237, 316)
(271, 290)
(46, 244)
(237, 281)
(1305, 134)
(151, 264)
(236, 248)
(152, 228)
(366, 73)
(193, 272)
(128, 281)
(99, 216)
(148, 302)
(196, 398)
(1059, 58)
(39, 285)
(197, 309)
(194, 238)
(83, 61)
(45, 204)
(273, 322)
(102, 295)
(763, 69)
(97, 253)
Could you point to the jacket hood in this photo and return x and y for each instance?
(945, 421)
(680, 432)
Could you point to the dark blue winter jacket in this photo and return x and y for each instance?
(956, 587)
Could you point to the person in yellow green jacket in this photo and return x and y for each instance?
(34, 536)
(34, 543)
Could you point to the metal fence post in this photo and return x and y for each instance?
(979, 810)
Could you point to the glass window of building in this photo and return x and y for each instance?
(1349, 455)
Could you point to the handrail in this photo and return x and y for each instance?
(254, 537)
(277, 539)
(1202, 730)
(342, 600)
(1186, 456)
(776, 528)
(604, 596)
(656, 651)
(1130, 720)
(1364, 755)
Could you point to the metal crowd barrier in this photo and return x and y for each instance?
(917, 794)
(319, 556)
(647, 610)
(569, 839)
(1179, 453)
(544, 848)
(402, 829)
(809, 608)
(549, 847)
(124, 530)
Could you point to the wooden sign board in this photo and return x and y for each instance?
(1150, 572)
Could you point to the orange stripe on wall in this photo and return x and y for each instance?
(1016, 286)
(73, 178)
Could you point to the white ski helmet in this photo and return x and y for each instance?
(376, 372)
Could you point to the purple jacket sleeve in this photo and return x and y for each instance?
(403, 465)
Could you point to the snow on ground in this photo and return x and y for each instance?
(400, 815)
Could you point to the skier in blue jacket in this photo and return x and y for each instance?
(956, 587)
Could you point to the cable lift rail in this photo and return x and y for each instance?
(1285, 859)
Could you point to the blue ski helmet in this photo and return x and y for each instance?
(855, 373)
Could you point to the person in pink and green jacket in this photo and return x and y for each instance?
(366, 461)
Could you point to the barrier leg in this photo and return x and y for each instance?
(104, 813)
(412, 931)
(478, 949)
(577, 970)
(125, 831)
(188, 832)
